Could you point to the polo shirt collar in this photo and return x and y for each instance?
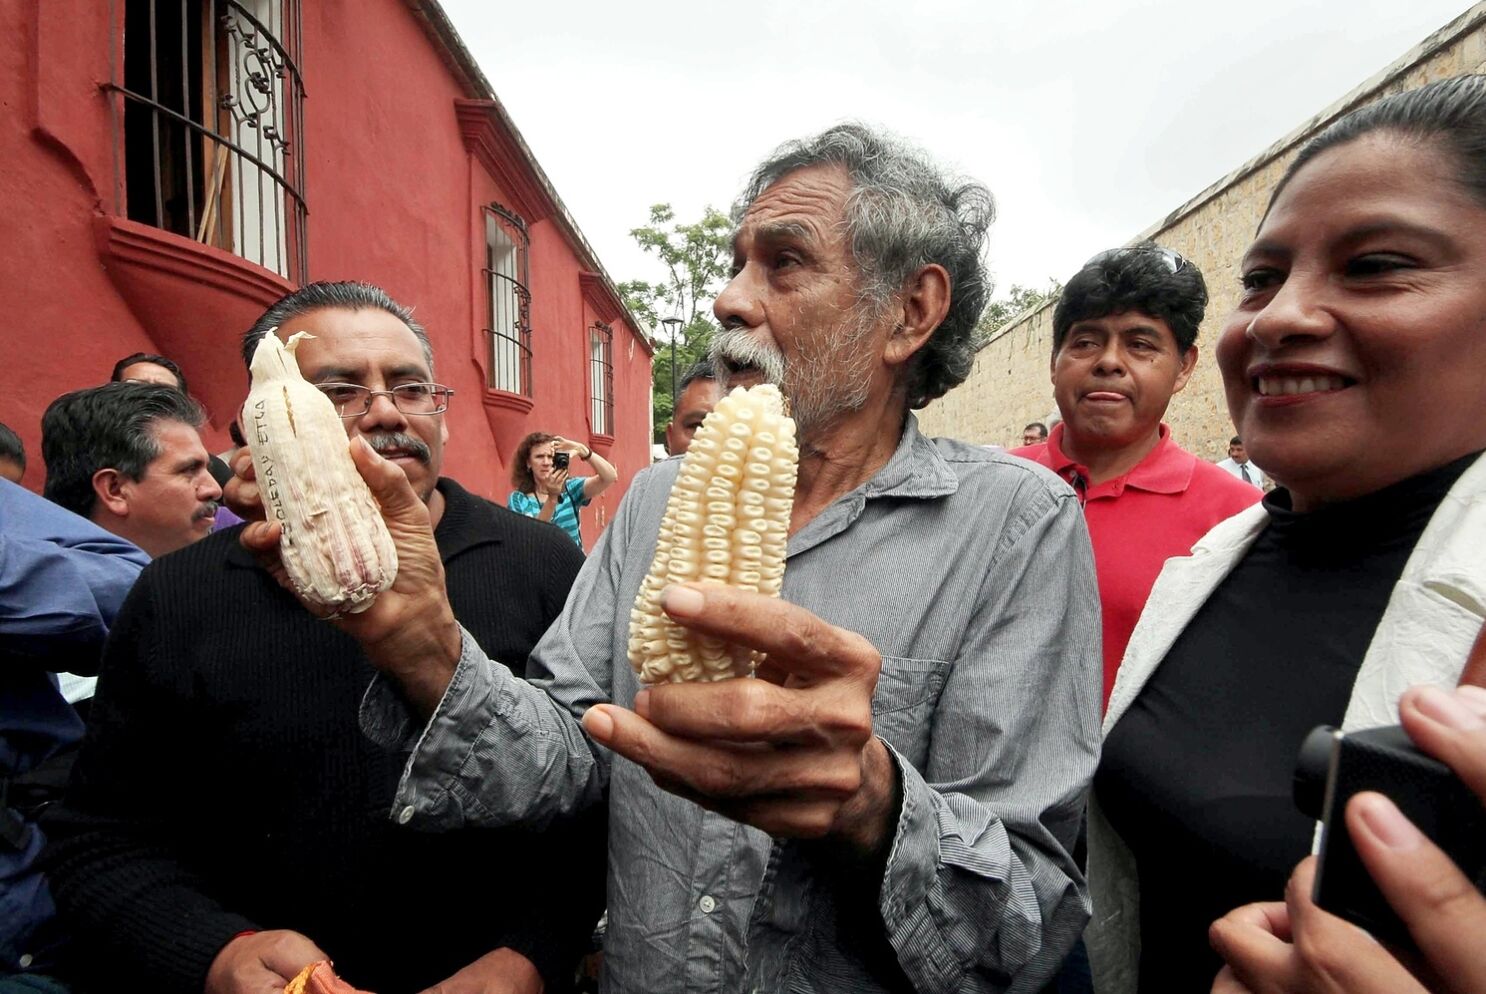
(1166, 469)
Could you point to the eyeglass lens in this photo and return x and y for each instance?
(351, 400)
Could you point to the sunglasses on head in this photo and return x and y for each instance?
(1173, 262)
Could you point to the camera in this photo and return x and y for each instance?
(1332, 766)
(560, 460)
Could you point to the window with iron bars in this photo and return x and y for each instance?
(212, 110)
(601, 378)
(509, 301)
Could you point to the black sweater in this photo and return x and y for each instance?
(225, 784)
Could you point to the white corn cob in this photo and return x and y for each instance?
(335, 545)
(727, 521)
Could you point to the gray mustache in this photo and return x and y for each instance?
(398, 441)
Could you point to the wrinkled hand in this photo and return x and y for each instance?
(792, 753)
(261, 963)
(1296, 947)
(503, 971)
(409, 630)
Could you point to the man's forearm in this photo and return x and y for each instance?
(476, 761)
(422, 659)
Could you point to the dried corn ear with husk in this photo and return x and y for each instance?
(335, 545)
(727, 521)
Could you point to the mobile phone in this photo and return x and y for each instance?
(560, 460)
(1332, 766)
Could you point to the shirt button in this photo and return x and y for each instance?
(405, 815)
(25, 961)
(707, 904)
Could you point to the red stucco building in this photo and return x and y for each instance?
(170, 167)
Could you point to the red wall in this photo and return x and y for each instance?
(394, 196)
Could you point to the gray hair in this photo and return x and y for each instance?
(903, 213)
(343, 296)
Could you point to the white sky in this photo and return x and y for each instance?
(1088, 119)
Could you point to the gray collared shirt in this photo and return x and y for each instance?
(971, 573)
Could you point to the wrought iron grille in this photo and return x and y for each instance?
(509, 301)
(212, 107)
(601, 378)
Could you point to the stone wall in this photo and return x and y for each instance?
(1009, 385)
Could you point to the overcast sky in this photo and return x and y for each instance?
(1089, 119)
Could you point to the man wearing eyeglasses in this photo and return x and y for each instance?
(1124, 342)
(227, 823)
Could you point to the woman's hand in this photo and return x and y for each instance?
(605, 475)
(555, 485)
(560, 444)
(1296, 947)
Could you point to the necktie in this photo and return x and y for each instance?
(1245, 471)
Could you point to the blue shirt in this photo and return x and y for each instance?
(566, 514)
(62, 580)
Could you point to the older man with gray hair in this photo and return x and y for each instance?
(897, 811)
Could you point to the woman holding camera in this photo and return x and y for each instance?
(1353, 367)
(544, 489)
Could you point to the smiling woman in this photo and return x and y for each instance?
(1352, 366)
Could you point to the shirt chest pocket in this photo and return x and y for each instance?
(906, 696)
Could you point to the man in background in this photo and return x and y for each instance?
(699, 393)
(128, 457)
(1124, 342)
(1239, 465)
(1034, 433)
(147, 367)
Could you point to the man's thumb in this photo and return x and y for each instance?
(387, 481)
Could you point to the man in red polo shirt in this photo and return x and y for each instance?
(1124, 335)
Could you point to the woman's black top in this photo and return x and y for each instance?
(1196, 775)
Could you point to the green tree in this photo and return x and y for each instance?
(1020, 299)
(696, 258)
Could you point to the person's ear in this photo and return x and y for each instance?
(1189, 363)
(925, 302)
(110, 487)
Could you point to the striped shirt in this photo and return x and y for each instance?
(566, 514)
(972, 574)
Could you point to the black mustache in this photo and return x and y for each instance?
(398, 441)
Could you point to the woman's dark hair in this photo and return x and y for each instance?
(150, 357)
(1138, 278)
(1450, 114)
(521, 477)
